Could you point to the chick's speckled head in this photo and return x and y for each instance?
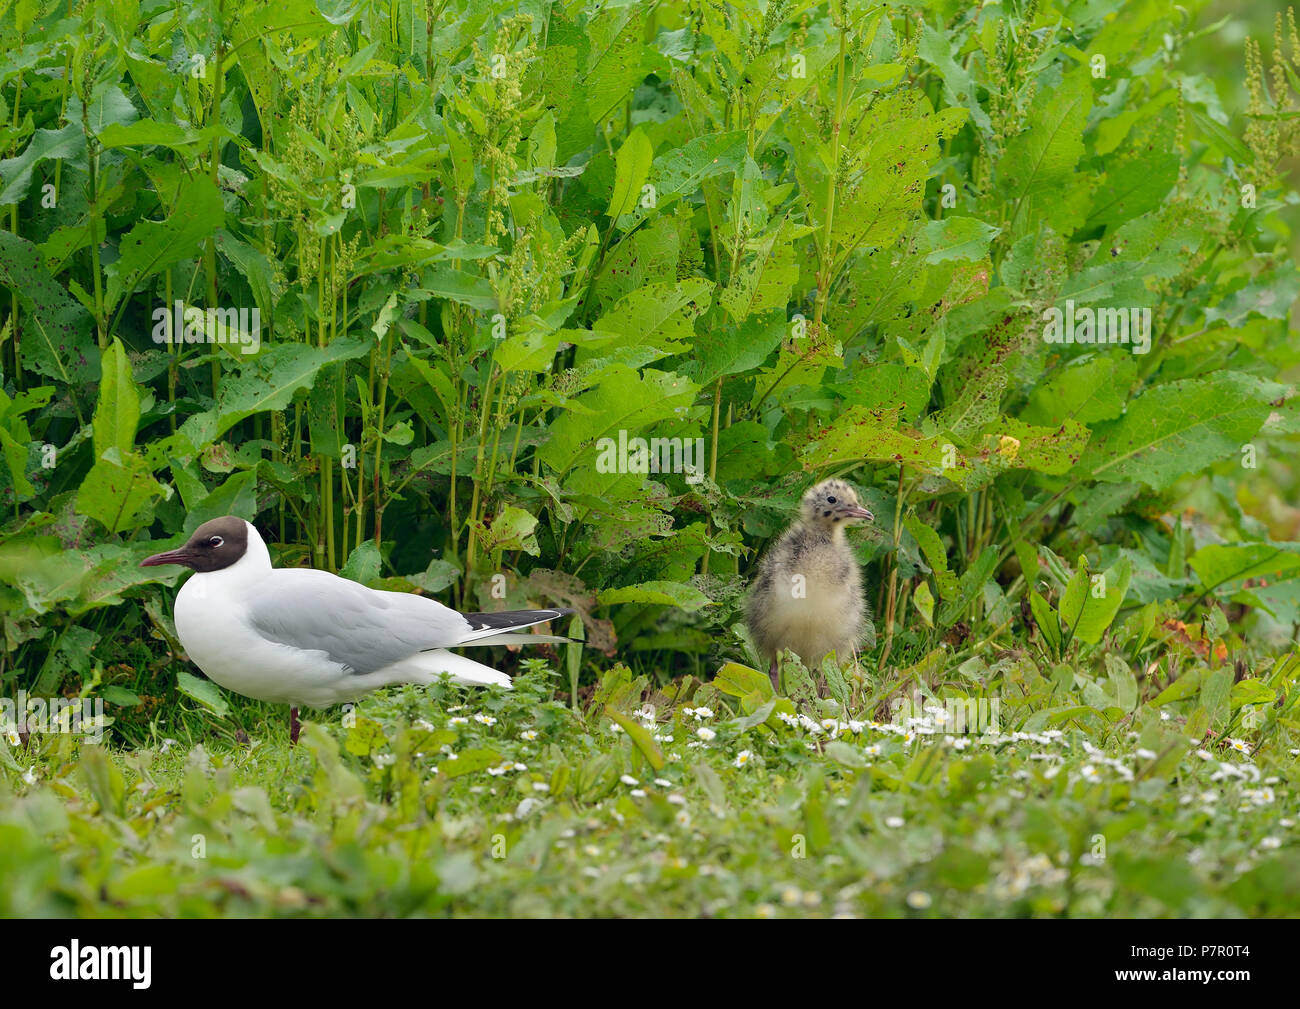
(832, 503)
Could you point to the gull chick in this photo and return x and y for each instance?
(808, 596)
(302, 637)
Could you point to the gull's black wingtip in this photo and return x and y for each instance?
(509, 620)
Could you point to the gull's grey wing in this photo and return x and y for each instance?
(364, 629)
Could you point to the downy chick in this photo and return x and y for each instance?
(808, 595)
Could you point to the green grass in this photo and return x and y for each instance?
(545, 812)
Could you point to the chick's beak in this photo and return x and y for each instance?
(855, 512)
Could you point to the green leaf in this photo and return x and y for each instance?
(118, 411)
(632, 168)
(678, 594)
(765, 279)
(971, 585)
(923, 599)
(1179, 428)
(57, 342)
(1181, 689)
(623, 400)
(1220, 563)
(149, 133)
(845, 754)
(205, 692)
(363, 564)
(510, 529)
(959, 86)
(736, 680)
(935, 554)
(681, 170)
(467, 762)
(1049, 623)
(657, 315)
(267, 382)
(1251, 691)
(68, 143)
(1037, 165)
(639, 736)
(958, 238)
(118, 489)
(875, 436)
(152, 246)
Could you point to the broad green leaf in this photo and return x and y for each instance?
(118, 411)
(363, 564)
(1089, 391)
(958, 238)
(467, 762)
(205, 692)
(736, 680)
(1179, 428)
(766, 278)
(57, 341)
(683, 596)
(1220, 563)
(875, 436)
(266, 382)
(632, 168)
(923, 599)
(680, 171)
(510, 529)
(1037, 165)
(623, 400)
(117, 490)
(68, 144)
(1091, 602)
(149, 133)
(152, 246)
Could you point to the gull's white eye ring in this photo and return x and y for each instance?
(215, 541)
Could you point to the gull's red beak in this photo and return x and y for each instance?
(855, 512)
(178, 556)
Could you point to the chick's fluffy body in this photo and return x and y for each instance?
(808, 594)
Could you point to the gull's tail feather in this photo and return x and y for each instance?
(497, 628)
(464, 671)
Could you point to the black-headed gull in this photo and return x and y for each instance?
(309, 638)
(808, 595)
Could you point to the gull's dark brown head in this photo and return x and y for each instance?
(215, 545)
(831, 503)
